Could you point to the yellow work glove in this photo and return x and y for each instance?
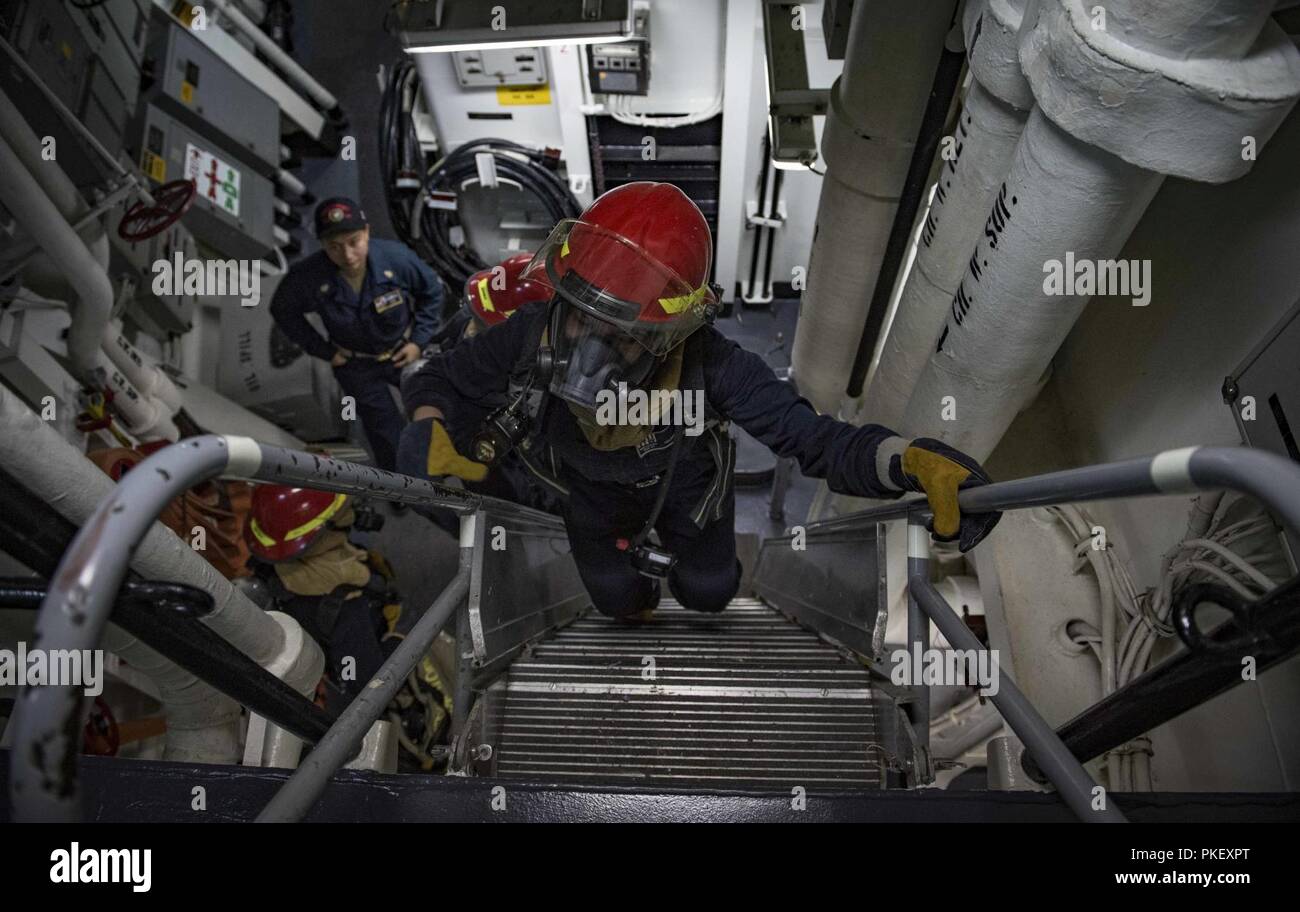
(939, 471)
(444, 460)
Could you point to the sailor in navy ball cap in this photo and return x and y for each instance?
(380, 304)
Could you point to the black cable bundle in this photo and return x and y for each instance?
(429, 233)
(400, 157)
(532, 170)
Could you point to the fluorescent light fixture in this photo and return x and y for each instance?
(495, 45)
(483, 25)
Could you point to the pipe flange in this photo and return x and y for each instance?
(845, 148)
(992, 29)
(1186, 118)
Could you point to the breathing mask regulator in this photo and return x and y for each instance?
(582, 357)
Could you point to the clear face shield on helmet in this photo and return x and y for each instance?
(618, 313)
(592, 356)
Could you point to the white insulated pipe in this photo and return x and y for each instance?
(55, 471)
(202, 722)
(876, 107)
(1187, 29)
(41, 219)
(1001, 330)
(990, 124)
(144, 375)
(51, 178)
(276, 54)
(1111, 121)
(43, 273)
(49, 275)
(146, 418)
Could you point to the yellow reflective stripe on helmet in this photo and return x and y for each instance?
(564, 250)
(263, 539)
(313, 524)
(483, 296)
(682, 302)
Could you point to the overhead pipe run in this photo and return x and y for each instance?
(876, 107)
(946, 79)
(993, 117)
(281, 60)
(1113, 118)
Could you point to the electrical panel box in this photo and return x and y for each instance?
(198, 88)
(1264, 394)
(114, 30)
(510, 66)
(524, 114)
(234, 208)
(90, 59)
(622, 67)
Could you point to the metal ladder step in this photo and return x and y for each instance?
(741, 699)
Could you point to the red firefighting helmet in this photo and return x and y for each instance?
(285, 521)
(637, 258)
(494, 294)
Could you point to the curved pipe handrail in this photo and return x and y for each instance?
(43, 783)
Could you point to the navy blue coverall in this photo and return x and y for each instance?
(612, 492)
(400, 301)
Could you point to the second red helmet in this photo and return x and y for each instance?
(285, 521)
(494, 294)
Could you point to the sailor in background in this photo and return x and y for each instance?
(380, 304)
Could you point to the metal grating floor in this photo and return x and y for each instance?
(743, 699)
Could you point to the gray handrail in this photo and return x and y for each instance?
(1271, 479)
(43, 782)
(46, 747)
(1076, 788)
(341, 743)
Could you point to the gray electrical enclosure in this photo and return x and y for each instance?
(198, 88)
(234, 210)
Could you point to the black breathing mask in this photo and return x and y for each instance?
(590, 356)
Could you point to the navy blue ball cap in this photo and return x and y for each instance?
(337, 215)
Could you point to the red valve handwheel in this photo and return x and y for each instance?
(171, 201)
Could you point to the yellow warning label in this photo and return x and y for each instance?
(184, 12)
(154, 166)
(187, 92)
(524, 95)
